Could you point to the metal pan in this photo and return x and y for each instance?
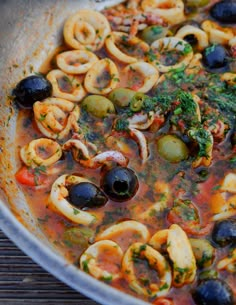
(29, 31)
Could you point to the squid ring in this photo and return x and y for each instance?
(155, 261)
(217, 34)
(148, 74)
(140, 139)
(66, 86)
(86, 29)
(124, 226)
(58, 196)
(200, 35)
(33, 154)
(180, 252)
(229, 77)
(170, 43)
(173, 13)
(56, 117)
(117, 43)
(102, 77)
(91, 261)
(76, 61)
(141, 121)
(106, 156)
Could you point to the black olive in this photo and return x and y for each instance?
(224, 232)
(224, 11)
(86, 195)
(31, 89)
(213, 292)
(120, 183)
(215, 59)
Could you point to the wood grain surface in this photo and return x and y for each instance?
(23, 282)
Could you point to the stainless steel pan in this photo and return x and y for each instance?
(29, 31)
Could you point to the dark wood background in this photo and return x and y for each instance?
(23, 282)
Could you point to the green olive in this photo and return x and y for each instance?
(98, 105)
(203, 252)
(172, 148)
(121, 97)
(137, 101)
(153, 32)
(197, 3)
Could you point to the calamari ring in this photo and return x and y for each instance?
(170, 43)
(81, 154)
(148, 74)
(141, 121)
(171, 11)
(73, 91)
(159, 239)
(222, 205)
(102, 77)
(232, 42)
(139, 137)
(91, 261)
(229, 183)
(77, 147)
(56, 117)
(195, 64)
(86, 29)
(58, 196)
(141, 232)
(139, 47)
(30, 153)
(104, 157)
(180, 252)
(156, 261)
(76, 61)
(228, 263)
(229, 77)
(201, 36)
(216, 33)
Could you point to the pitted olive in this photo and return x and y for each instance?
(86, 195)
(213, 292)
(215, 59)
(120, 183)
(32, 89)
(224, 232)
(224, 11)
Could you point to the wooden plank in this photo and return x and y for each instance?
(24, 282)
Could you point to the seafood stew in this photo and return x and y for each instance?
(126, 148)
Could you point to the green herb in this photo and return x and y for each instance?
(187, 49)
(85, 266)
(157, 29)
(163, 287)
(76, 211)
(122, 124)
(210, 49)
(204, 140)
(151, 55)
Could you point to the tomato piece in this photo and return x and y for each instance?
(30, 177)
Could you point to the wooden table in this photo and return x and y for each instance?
(23, 282)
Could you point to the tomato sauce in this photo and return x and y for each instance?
(169, 192)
